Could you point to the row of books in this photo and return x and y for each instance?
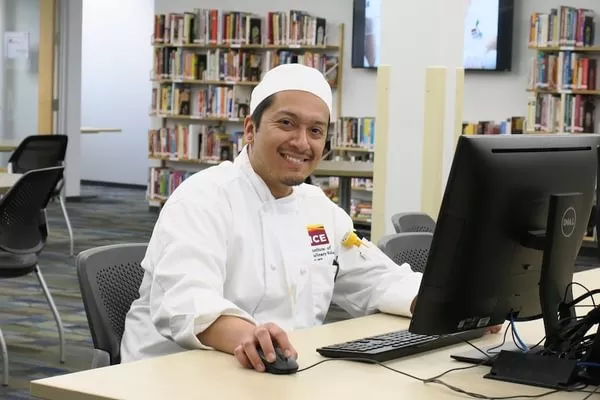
(212, 26)
(327, 64)
(235, 65)
(201, 102)
(354, 132)
(569, 114)
(563, 71)
(213, 65)
(333, 182)
(512, 125)
(563, 26)
(195, 142)
(163, 181)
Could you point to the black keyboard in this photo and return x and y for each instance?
(393, 345)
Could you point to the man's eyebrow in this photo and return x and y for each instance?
(296, 116)
(286, 113)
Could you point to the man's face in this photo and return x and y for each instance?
(290, 139)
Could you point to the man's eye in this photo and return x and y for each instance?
(285, 122)
(317, 131)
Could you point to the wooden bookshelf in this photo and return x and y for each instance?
(566, 91)
(193, 64)
(563, 75)
(347, 167)
(205, 82)
(209, 46)
(556, 49)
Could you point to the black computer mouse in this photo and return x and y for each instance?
(281, 365)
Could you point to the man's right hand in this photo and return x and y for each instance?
(267, 337)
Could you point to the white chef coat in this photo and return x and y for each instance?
(223, 245)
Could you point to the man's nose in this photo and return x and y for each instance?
(300, 139)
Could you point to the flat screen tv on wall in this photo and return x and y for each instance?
(488, 33)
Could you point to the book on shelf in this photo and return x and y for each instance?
(568, 114)
(354, 132)
(233, 66)
(563, 26)
(296, 27)
(567, 70)
(512, 125)
(179, 99)
(197, 143)
(226, 65)
(207, 26)
(204, 26)
(325, 63)
(163, 181)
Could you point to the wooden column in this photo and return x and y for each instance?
(46, 66)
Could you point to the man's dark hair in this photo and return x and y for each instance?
(260, 110)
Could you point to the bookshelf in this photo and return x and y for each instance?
(206, 63)
(346, 172)
(563, 78)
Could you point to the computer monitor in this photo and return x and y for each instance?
(511, 223)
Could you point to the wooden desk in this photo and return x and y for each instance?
(210, 374)
(93, 130)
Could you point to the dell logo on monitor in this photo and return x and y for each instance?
(569, 220)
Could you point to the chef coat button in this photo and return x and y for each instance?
(273, 267)
(303, 271)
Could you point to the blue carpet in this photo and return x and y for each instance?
(114, 216)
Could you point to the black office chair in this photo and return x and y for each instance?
(413, 222)
(408, 247)
(43, 151)
(109, 279)
(23, 236)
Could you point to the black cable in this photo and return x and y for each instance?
(584, 296)
(436, 379)
(581, 286)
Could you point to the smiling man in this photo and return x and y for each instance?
(245, 251)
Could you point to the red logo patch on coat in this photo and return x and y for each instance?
(317, 234)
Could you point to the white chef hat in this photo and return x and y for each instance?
(292, 77)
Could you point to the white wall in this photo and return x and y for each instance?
(115, 91)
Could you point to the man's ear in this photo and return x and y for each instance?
(249, 130)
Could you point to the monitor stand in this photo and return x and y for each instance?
(535, 367)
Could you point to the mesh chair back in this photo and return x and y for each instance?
(109, 280)
(20, 211)
(39, 151)
(413, 222)
(408, 247)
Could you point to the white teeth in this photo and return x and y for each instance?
(293, 159)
